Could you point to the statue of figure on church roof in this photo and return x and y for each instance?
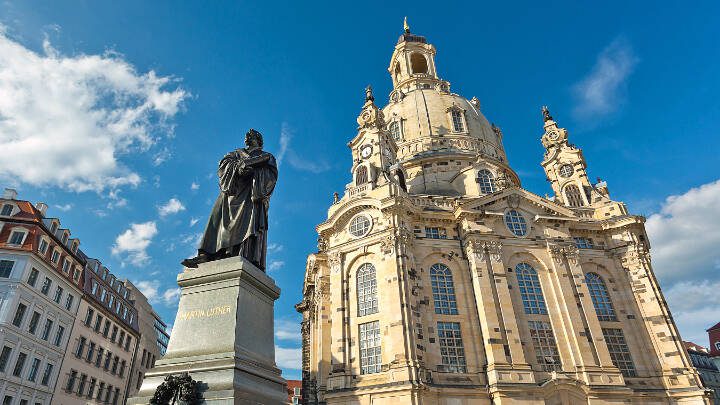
(238, 221)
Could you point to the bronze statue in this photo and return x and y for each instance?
(238, 222)
(181, 390)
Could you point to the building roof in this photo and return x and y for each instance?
(716, 326)
(695, 347)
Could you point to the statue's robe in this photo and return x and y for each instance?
(239, 219)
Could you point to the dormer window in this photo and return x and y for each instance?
(7, 209)
(76, 274)
(17, 237)
(53, 228)
(457, 121)
(75, 246)
(65, 238)
(486, 181)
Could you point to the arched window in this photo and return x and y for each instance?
(394, 129)
(573, 197)
(486, 180)
(361, 175)
(397, 70)
(367, 290)
(418, 63)
(457, 120)
(600, 297)
(530, 290)
(443, 290)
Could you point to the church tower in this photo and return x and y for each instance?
(439, 280)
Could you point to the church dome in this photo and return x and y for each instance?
(431, 121)
(443, 140)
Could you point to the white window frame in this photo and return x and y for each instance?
(12, 209)
(46, 241)
(400, 135)
(18, 229)
(54, 260)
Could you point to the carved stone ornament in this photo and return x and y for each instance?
(334, 261)
(502, 182)
(176, 389)
(570, 251)
(387, 244)
(321, 244)
(513, 200)
(493, 250)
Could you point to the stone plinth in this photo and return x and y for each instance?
(223, 336)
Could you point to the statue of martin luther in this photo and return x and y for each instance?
(238, 222)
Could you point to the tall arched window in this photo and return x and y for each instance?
(395, 130)
(572, 194)
(443, 290)
(530, 290)
(600, 297)
(397, 70)
(361, 175)
(457, 120)
(486, 180)
(367, 290)
(418, 63)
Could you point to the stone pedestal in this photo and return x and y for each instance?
(223, 336)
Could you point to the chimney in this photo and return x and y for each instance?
(42, 207)
(10, 194)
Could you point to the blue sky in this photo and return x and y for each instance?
(116, 113)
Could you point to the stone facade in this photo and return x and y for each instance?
(440, 280)
(153, 339)
(40, 290)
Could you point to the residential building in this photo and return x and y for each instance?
(714, 337)
(706, 367)
(153, 339)
(103, 343)
(294, 389)
(439, 280)
(40, 289)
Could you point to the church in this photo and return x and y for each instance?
(439, 280)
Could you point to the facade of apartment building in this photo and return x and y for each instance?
(153, 339)
(40, 290)
(69, 329)
(103, 343)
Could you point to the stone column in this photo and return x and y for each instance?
(223, 336)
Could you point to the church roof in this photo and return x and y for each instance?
(408, 37)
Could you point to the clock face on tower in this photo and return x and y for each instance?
(366, 151)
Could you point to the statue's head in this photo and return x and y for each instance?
(253, 138)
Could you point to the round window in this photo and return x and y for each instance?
(566, 170)
(359, 226)
(516, 223)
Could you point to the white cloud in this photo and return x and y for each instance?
(684, 237)
(171, 296)
(685, 234)
(148, 288)
(161, 157)
(601, 92)
(151, 291)
(194, 221)
(65, 207)
(275, 265)
(194, 186)
(287, 329)
(286, 152)
(290, 358)
(173, 206)
(135, 241)
(275, 247)
(74, 117)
